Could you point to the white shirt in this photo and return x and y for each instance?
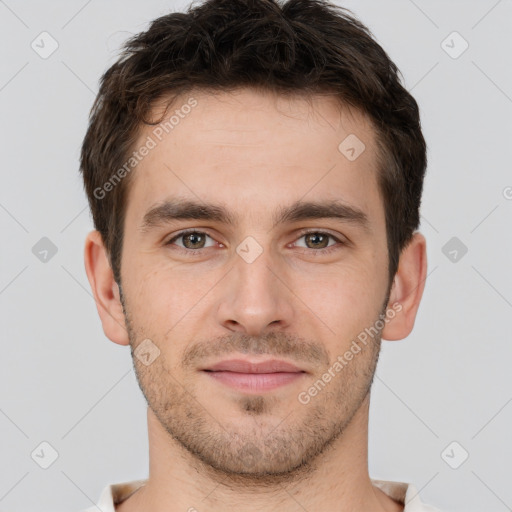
(403, 493)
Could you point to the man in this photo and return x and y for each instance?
(254, 171)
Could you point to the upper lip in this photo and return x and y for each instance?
(244, 366)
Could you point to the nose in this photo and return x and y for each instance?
(255, 297)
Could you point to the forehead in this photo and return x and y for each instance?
(254, 151)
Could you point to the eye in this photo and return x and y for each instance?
(319, 241)
(191, 240)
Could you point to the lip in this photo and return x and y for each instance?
(251, 377)
(244, 366)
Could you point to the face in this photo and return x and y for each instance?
(283, 262)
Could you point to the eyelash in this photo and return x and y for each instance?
(325, 250)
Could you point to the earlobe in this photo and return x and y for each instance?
(407, 289)
(105, 289)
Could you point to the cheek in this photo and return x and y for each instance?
(165, 296)
(345, 299)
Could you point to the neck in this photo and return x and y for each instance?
(337, 479)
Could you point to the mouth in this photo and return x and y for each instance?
(251, 377)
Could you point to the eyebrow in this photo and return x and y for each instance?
(182, 209)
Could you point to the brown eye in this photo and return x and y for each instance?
(317, 240)
(192, 240)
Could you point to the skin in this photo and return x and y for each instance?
(212, 447)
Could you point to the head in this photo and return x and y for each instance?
(281, 137)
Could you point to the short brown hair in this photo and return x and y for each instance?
(300, 46)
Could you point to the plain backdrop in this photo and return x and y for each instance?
(439, 396)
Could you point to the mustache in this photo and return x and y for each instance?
(272, 344)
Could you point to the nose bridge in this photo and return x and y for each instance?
(252, 270)
(253, 297)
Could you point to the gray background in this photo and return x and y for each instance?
(62, 381)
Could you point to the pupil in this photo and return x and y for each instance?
(194, 238)
(315, 238)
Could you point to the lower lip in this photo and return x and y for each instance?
(255, 382)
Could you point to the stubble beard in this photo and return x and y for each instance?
(272, 450)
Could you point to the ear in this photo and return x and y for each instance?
(105, 289)
(407, 289)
